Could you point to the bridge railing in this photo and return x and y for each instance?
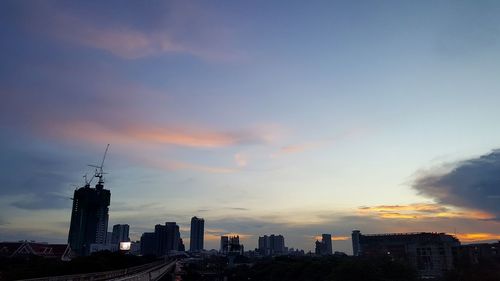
(152, 274)
(97, 276)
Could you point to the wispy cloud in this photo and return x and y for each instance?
(477, 237)
(147, 133)
(313, 145)
(421, 211)
(118, 36)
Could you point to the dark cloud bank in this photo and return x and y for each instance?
(473, 183)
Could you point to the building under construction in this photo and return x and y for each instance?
(89, 215)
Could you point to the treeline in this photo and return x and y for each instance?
(34, 266)
(324, 269)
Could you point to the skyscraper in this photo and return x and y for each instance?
(326, 241)
(120, 233)
(89, 217)
(173, 236)
(197, 234)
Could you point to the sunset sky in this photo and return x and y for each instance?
(286, 117)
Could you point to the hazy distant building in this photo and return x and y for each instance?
(148, 243)
(430, 253)
(317, 248)
(89, 218)
(197, 234)
(271, 245)
(324, 247)
(120, 233)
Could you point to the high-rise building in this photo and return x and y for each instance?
(173, 236)
(197, 234)
(431, 254)
(326, 241)
(148, 243)
(271, 245)
(89, 217)
(231, 245)
(120, 233)
(224, 244)
(355, 242)
(167, 238)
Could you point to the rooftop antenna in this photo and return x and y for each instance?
(98, 170)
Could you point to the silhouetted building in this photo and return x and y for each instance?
(89, 218)
(120, 233)
(271, 245)
(182, 248)
(197, 234)
(430, 253)
(173, 237)
(231, 245)
(224, 244)
(167, 238)
(317, 248)
(355, 242)
(474, 253)
(148, 243)
(326, 242)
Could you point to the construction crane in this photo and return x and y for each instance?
(98, 169)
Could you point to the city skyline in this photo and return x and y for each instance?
(260, 118)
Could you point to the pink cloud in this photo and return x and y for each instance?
(208, 39)
(149, 134)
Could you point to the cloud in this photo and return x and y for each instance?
(182, 28)
(421, 211)
(472, 183)
(178, 165)
(147, 133)
(241, 159)
(477, 237)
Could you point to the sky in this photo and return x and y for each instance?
(262, 117)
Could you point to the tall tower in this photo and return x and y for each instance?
(197, 234)
(90, 214)
(326, 240)
(356, 246)
(89, 218)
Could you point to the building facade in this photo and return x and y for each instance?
(431, 254)
(196, 234)
(148, 243)
(120, 233)
(271, 245)
(89, 218)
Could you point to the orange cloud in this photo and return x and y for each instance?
(475, 237)
(421, 211)
(145, 133)
(334, 238)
